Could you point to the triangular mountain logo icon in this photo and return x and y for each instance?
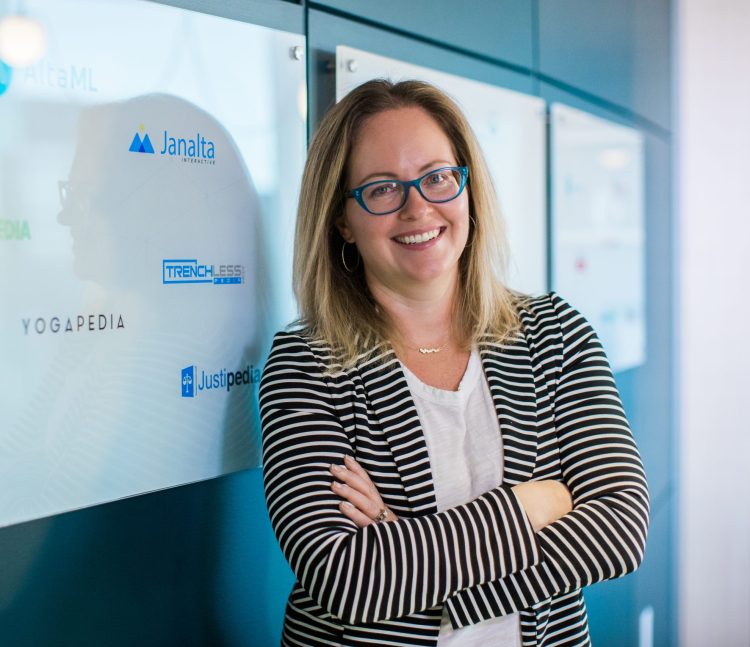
(139, 145)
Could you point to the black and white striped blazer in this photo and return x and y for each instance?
(560, 418)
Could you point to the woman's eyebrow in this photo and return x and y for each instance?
(436, 164)
(426, 167)
(374, 175)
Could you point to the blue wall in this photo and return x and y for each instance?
(199, 564)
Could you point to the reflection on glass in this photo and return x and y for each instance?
(141, 265)
(598, 228)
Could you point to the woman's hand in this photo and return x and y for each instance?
(543, 501)
(362, 502)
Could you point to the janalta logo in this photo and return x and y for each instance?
(14, 230)
(191, 384)
(193, 150)
(141, 143)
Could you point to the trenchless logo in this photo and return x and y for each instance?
(181, 270)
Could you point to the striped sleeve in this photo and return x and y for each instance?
(605, 535)
(382, 571)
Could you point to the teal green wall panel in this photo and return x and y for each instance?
(656, 581)
(326, 31)
(194, 565)
(500, 29)
(616, 49)
(612, 611)
(649, 390)
(614, 607)
(276, 14)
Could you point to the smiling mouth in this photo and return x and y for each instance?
(419, 238)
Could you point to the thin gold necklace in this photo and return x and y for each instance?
(428, 350)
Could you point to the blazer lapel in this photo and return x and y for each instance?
(391, 404)
(511, 380)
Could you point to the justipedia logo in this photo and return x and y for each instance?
(192, 384)
(180, 270)
(195, 149)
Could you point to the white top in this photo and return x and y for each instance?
(465, 464)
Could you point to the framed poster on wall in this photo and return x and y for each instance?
(510, 127)
(598, 234)
(150, 162)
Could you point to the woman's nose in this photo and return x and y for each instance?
(74, 208)
(69, 213)
(415, 205)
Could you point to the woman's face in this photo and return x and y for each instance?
(404, 144)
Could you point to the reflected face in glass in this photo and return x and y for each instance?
(423, 241)
(102, 200)
(81, 211)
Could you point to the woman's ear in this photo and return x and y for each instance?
(343, 228)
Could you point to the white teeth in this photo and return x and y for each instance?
(419, 238)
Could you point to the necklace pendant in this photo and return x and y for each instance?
(429, 351)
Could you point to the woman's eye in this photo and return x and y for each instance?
(382, 190)
(437, 178)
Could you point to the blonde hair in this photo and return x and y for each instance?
(335, 304)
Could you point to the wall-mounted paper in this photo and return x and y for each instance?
(598, 228)
(150, 165)
(510, 127)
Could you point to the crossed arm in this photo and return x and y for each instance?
(542, 501)
(381, 571)
(364, 572)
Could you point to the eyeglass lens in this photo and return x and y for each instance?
(439, 186)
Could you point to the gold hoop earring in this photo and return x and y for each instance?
(343, 258)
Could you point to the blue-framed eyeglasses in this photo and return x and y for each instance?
(386, 196)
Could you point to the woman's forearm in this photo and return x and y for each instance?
(383, 570)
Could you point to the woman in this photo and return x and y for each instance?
(425, 429)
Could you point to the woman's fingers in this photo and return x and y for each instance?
(355, 515)
(359, 501)
(355, 486)
(356, 478)
(360, 471)
(362, 502)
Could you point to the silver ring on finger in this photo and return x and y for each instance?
(382, 515)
